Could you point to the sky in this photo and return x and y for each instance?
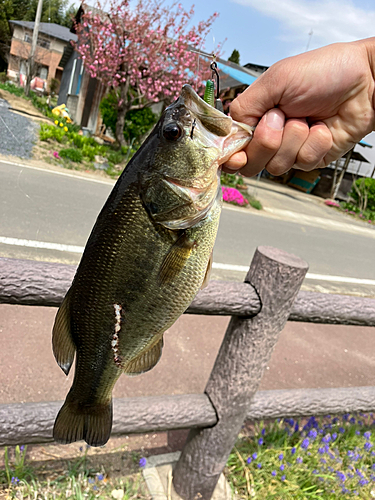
(265, 31)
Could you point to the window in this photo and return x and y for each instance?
(43, 72)
(42, 42)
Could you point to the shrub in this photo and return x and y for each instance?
(13, 89)
(89, 152)
(54, 84)
(137, 121)
(362, 188)
(71, 154)
(231, 180)
(3, 77)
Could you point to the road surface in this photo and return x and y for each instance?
(48, 216)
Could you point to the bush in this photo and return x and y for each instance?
(54, 84)
(3, 77)
(231, 180)
(13, 89)
(137, 121)
(365, 186)
(71, 154)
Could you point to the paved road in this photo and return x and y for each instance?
(45, 207)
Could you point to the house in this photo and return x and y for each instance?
(78, 90)
(52, 40)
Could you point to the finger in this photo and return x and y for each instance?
(315, 148)
(265, 143)
(235, 162)
(296, 131)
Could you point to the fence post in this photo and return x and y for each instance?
(246, 349)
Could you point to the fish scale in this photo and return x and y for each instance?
(144, 262)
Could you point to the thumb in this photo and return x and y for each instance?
(261, 96)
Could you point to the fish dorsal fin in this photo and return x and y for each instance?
(62, 342)
(146, 360)
(175, 259)
(208, 272)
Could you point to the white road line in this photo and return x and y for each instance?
(64, 174)
(216, 265)
(41, 244)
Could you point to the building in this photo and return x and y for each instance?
(52, 40)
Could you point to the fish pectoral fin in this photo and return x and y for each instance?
(75, 421)
(146, 360)
(175, 259)
(62, 342)
(208, 272)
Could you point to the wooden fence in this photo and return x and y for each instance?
(259, 308)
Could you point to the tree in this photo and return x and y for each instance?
(53, 11)
(142, 52)
(235, 57)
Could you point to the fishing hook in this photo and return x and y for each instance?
(215, 74)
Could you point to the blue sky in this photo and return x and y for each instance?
(265, 31)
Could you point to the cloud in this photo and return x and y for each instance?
(330, 20)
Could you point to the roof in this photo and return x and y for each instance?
(50, 29)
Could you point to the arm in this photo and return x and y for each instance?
(309, 109)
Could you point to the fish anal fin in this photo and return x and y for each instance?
(208, 272)
(62, 342)
(146, 360)
(175, 259)
(92, 423)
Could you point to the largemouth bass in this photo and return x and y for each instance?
(145, 260)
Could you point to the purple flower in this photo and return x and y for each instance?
(305, 443)
(142, 462)
(367, 446)
(259, 465)
(299, 460)
(101, 476)
(281, 456)
(249, 460)
(260, 441)
(282, 478)
(15, 480)
(22, 447)
(273, 473)
(282, 467)
(293, 450)
(254, 455)
(263, 432)
(367, 435)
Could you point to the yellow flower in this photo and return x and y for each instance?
(66, 129)
(61, 124)
(56, 122)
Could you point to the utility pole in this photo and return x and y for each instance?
(336, 185)
(30, 65)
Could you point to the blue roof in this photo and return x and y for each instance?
(365, 144)
(237, 74)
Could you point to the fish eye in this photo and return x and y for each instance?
(172, 131)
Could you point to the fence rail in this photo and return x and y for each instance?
(24, 423)
(26, 282)
(259, 308)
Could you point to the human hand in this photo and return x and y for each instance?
(309, 109)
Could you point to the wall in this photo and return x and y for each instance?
(20, 50)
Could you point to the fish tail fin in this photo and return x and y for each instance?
(92, 423)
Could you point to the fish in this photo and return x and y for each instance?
(149, 253)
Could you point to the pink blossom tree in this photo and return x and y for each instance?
(142, 51)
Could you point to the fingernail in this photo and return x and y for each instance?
(275, 119)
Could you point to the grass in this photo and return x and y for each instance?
(77, 480)
(327, 458)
